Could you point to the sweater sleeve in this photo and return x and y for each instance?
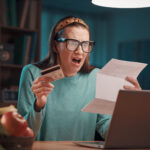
(26, 99)
(102, 124)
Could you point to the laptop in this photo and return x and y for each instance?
(130, 123)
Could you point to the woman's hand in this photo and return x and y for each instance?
(133, 81)
(41, 87)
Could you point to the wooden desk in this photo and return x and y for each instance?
(62, 145)
(65, 145)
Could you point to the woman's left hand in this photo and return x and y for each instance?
(133, 81)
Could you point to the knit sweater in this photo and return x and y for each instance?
(62, 118)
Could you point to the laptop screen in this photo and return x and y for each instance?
(130, 123)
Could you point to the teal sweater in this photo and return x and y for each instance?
(62, 118)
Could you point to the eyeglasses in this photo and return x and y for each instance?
(72, 44)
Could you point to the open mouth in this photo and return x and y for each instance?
(76, 60)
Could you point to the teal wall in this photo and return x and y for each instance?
(127, 26)
(108, 30)
(98, 28)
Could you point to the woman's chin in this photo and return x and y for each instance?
(73, 72)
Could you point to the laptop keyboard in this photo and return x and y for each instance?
(97, 144)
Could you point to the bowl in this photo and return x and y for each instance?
(16, 143)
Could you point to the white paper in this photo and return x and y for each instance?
(110, 79)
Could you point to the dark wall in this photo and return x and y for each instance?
(108, 29)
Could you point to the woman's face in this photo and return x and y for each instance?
(72, 61)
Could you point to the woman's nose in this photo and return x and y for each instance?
(79, 50)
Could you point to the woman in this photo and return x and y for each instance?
(53, 109)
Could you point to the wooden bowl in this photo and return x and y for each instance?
(16, 143)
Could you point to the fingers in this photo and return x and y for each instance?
(42, 79)
(41, 84)
(130, 87)
(42, 87)
(134, 82)
(42, 90)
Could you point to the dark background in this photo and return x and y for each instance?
(118, 33)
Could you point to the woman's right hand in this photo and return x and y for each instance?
(41, 87)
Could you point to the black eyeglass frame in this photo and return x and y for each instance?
(91, 43)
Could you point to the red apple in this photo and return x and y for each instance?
(14, 123)
(28, 132)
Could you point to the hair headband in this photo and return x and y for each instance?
(68, 21)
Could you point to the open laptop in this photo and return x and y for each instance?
(130, 123)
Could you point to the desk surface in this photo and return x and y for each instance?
(59, 145)
(62, 145)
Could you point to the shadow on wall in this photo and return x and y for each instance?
(137, 51)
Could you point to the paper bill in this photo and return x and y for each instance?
(110, 79)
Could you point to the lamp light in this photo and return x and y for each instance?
(122, 3)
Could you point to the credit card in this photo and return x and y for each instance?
(55, 73)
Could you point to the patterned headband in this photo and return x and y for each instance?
(68, 21)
